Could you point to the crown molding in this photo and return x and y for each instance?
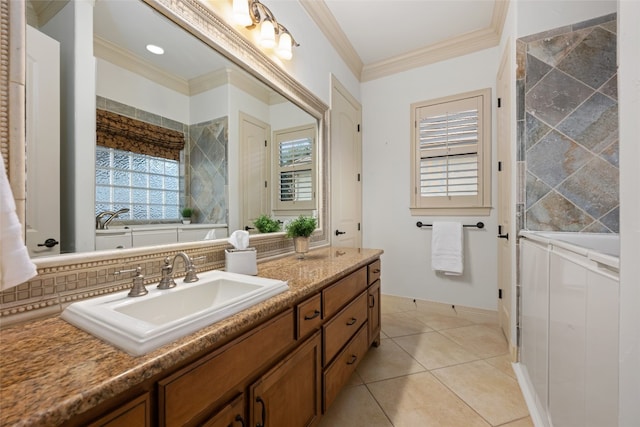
(462, 45)
(451, 48)
(324, 19)
(113, 53)
(44, 10)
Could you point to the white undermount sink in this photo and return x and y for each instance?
(141, 324)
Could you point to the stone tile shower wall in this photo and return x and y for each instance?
(568, 128)
(208, 154)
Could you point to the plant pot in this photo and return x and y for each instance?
(186, 221)
(301, 245)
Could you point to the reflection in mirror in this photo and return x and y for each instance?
(156, 133)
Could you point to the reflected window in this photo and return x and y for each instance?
(148, 186)
(295, 170)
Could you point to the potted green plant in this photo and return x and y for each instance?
(266, 224)
(300, 229)
(186, 213)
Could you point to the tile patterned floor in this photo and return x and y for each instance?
(431, 370)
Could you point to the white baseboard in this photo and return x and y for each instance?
(526, 387)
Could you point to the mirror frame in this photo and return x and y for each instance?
(195, 18)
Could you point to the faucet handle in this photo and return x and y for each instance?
(138, 289)
(166, 281)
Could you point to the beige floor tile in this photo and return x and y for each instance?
(440, 321)
(503, 363)
(494, 395)
(393, 304)
(401, 324)
(483, 340)
(383, 335)
(354, 380)
(434, 350)
(355, 407)
(421, 400)
(523, 422)
(387, 361)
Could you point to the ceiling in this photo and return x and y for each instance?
(375, 38)
(382, 37)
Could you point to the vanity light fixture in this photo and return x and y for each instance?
(252, 13)
(157, 50)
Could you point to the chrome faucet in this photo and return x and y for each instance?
(104, 225)
(166, 281)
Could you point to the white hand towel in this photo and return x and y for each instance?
(446, 248)
(15, 265)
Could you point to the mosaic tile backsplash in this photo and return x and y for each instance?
(568, 128)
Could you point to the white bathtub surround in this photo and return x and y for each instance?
(569, 327)
(447, 243)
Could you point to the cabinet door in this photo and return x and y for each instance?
(289, 394)
(374, 313)
(133, 414)
(231, 415)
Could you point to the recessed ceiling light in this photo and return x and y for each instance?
(155, 49)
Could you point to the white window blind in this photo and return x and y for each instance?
(296, 158)
(449, 153)
(295, 169)
(451, 150)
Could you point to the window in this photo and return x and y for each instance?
(148, 186)
(451, 154)
(295, 171)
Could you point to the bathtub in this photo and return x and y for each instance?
(569, 314)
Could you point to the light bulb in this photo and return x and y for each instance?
(241, 12)
(267, 34)
(284, 46)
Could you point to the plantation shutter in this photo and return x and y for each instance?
(296, 170)
(448, 149)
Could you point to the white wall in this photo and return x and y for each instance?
(535, 16)
(629, 111)
(387, 222)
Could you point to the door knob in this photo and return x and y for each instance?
(49, 243)
(500, 235)
(338, 232)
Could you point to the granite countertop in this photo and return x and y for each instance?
(51, 371)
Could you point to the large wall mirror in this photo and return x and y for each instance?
(220, 113)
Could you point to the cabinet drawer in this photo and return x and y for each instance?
(132, 414)
(308, 316)
(373, 272)
(339, 372)
(338, 295)
(232, 415)
(186, 396)
(343, 326)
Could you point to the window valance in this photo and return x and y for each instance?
(124, 133)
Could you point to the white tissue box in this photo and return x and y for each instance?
(241, 261)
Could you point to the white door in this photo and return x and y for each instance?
(255, 142)
(346, 168)
(43, 144)
(504, 194)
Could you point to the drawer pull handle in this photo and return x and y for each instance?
(315, 314)
(373, 301)
(352, 321)
(240, 420)
(376, 271)
(264, 412)
(352, 359)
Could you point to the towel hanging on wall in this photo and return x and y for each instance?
(447, 248)
(15, 265)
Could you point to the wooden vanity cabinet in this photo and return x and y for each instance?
(232, 415)
(284, 372)
(191, 395)
(136, 413)
(289, 394)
